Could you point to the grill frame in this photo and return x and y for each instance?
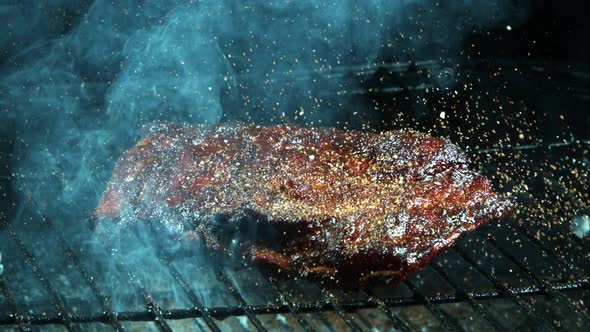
(160, 317)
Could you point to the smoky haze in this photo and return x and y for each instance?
(80, 78)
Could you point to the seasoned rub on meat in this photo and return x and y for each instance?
(346, 206)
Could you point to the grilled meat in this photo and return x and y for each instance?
(346, 206)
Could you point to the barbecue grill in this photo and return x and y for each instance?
(530, 272)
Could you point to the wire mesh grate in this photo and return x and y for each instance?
(154, 314)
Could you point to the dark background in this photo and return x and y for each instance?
(553, 31)
(541, 63)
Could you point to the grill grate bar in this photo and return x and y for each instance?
(461, 293)
(150, 303)
(292, 309)
(532, 146)
(398, 324)
(223, 312)
(186, 288)
(567, 233)
(191, 295)
(505, 290)
(105, 302)
(552, 254)
(66, 319)
(545, 285)
(328, 324)
(330, 298)
(222, 275)
(153, 309)
(447, 321)
(581, 243)
(18, 318)
(243, 306)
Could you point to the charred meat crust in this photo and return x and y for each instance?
(344, 206)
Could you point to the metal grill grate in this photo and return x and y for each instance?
(346, 308)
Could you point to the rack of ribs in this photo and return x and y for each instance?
(348, 207)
